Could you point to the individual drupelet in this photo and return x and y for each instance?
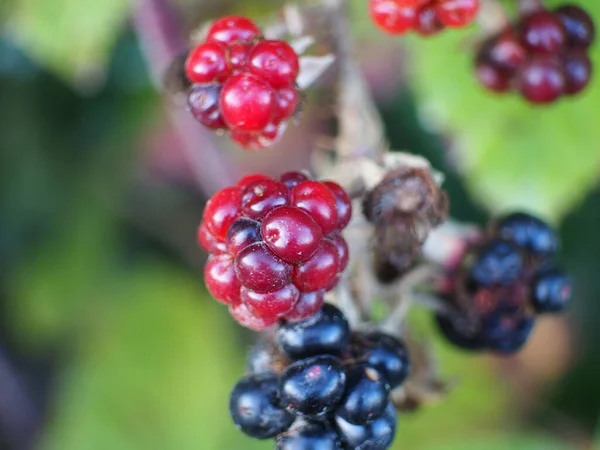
(275, 246)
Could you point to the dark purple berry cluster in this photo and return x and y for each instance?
(322, 386)
(502, 284)
(543, 56)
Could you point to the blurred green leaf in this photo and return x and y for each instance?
(478, 400)
(73, 38)
(499, 442)
(512, 154)
(153, 370)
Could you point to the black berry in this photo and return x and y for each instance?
(377, 435)
(314, 386)
(386, 354)
(551, 291)
(460, 333)
(578, 24)
(498, 262)
(528, 232)
(254, 407)
(307, 435)
(506, 330)
(327, 332)
(366, 395)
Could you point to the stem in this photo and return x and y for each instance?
(160, 32)
(361, 128)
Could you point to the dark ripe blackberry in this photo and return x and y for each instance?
(543, 32)
(254, 407)
(506, 330)
(460, 333)
(327, 332)
(377, 435)
(491, 77)
(203, 101)
(314, 386)
(497, 262)
(366, 395)
(428, 21)
(528, 232)
(541, 79)
(387, 355)
(307, 435)
(551, 291)
(578, 25)
(578, 71)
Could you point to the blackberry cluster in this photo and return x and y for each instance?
(504, 283)
(275, 246)
(543, 56)
(243, 83)
(425, 17)
(322, 387)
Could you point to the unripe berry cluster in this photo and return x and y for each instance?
(543, 56)
(276, 246)
(243, 83)
(329, 389)
(503, 284)
(425, 17)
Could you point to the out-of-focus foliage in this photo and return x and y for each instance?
(72, 37)
(512, 154)
(140, 356)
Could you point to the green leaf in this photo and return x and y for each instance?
(72, 38)
(512, 154)
(502, 442)
(153, 370)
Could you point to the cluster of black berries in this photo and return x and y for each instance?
(543, 56)
(322, 386)
(502, 284)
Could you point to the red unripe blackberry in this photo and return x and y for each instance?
(239, 53)
(271, 304)
(319, 201)
(491, 77)
(247, 103)
(393, 16)
(262, 196)
(456, 13)
(221, 211)
(221, 280)
(543, 32)
(291, 233)
(317, 272)
(578, 25)
(203, 101)
(541, 80)
(207, 63)
(578, 71)
(505, 51)
(231, 29)
(274, 61)
(428, 22)
(276, 246)
(258, 269)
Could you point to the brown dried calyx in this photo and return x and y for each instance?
(403, 207)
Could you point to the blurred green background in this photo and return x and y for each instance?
(107, 336)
